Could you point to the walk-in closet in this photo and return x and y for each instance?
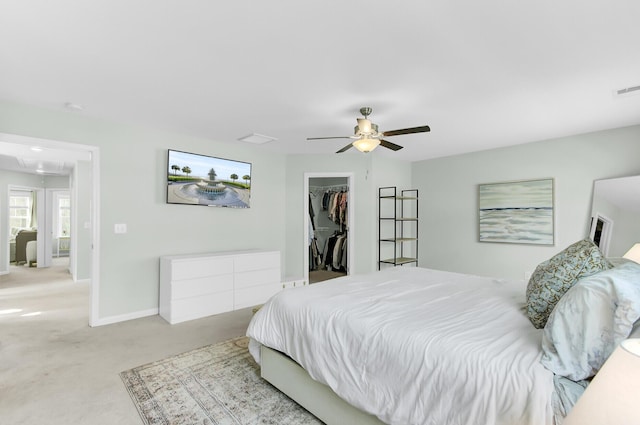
(328, 228)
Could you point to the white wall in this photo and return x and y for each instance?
(449, 206)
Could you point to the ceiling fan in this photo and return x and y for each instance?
(367, 136)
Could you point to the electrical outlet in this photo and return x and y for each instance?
(120, 228)
(293, 283)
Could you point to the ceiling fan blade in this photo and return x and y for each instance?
(323, 138)
(390, 145)
(422, 129)
(345, 148)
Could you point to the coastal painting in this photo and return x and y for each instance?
(516, 212)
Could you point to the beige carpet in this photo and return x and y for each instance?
(23, 276)
(216, 384)
(56, 370)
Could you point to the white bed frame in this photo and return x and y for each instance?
(290, 378)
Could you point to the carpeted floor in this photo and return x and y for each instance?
(23, 276)
(56, 370)
(215, 384)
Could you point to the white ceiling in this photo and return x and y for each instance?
(29, 156)
(481, 74)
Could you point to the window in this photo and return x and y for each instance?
(20, 210)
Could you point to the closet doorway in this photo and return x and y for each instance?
(328, 225)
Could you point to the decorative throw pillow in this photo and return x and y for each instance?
(590, 320)
(553, 278)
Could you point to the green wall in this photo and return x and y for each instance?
(132, 175)
(449, 208)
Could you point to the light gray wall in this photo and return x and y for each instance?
(132, 177)
(448, 197)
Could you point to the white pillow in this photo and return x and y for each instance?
(590, 320)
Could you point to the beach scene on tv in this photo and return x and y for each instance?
(205, 180)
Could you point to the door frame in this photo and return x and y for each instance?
(91, 154)
(50, 198)
(350, 218)
(605, 235)
(38, 192)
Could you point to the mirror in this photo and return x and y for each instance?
(615, 215)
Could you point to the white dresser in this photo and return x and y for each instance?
(194, 286)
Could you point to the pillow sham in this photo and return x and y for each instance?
(590, 320)
(553, 278)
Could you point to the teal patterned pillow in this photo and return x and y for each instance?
(553, 278)
(590, 320)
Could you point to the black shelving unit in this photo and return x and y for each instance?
(405, 226)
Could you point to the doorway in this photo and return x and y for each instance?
(84, 195)
(328, 226)
(39, 226)
(600, 232)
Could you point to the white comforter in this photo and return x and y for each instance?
(416, 346)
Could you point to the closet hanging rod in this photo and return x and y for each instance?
(333, 186)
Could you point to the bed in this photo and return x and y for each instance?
(411, 346)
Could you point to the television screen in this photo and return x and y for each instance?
(195, 179)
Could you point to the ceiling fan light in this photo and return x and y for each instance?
(366, 144)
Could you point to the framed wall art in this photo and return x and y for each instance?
(516, 212)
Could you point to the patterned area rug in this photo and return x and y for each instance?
(217, 384)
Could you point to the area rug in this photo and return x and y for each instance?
(218, 384)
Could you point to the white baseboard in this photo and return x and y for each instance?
(124, 317)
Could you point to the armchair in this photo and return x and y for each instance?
(22, 238)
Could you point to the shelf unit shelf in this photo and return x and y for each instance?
(399, 261)
(405, 227)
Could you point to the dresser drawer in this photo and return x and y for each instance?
(205, 305)
(254, 295)
(201, 286)
(255, 278)
(201, 267)
(257, 261)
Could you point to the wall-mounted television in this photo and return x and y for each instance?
(195, 179)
